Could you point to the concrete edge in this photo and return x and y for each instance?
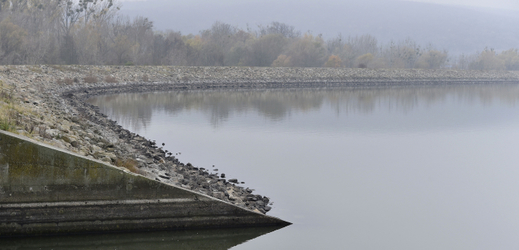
(246, 218)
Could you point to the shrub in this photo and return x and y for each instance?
(42, 131)
(5, 96)
(9, 115)
(90, 79)
(8, 120)
(282, 61)
(364, 60)
(65, 80)
(432, 59)
(488, 60)
(68, 81)
(333, 62)
(6, 125)
(30, 127)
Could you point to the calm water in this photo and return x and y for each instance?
(363, 168)
(177, 240)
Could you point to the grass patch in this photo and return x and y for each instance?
(8, 117)
(8, 114)
(12, 116)
(6, 96)
(7, 125)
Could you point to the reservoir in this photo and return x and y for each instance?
(415, 167)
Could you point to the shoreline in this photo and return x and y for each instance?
(51, 108)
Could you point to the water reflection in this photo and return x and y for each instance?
(364, 168)
(195, 239)
(135, 110)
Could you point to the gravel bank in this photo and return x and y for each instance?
(46, 103)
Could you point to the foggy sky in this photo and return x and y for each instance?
(459, 26)
(500, 4)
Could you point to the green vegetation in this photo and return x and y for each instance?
(6, 121)
(12, 115)
(8, 113)
(89, 32)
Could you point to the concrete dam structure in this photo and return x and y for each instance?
(46, 190)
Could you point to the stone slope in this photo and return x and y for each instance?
(46, 103)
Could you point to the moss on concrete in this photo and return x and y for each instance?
(45, 190)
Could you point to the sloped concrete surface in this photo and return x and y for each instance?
(46, 190)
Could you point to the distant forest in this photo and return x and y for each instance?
(92, 32)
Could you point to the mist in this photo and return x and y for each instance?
(352, 34)
(457, 28)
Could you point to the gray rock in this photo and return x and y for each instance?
(164, 177)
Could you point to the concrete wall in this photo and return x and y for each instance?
(45, 190)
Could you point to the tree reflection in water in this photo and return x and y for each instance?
(136, 109)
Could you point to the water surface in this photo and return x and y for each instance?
(356, 168)
(178, 240)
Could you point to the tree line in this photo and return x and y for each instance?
(92, 32)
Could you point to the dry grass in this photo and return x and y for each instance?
(129, 164)
(8, 118)
(35, 69)
(67, 81)
(111, 79)
(8, 114)
(42, 131)
(12, 116)
(90, 79)
(6, 96)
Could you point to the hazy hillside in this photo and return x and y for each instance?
(457, 29)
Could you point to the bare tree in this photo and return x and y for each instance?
(217, 42)
(309, 51)
(279, 28)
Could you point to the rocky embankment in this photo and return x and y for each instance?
(47, 103)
